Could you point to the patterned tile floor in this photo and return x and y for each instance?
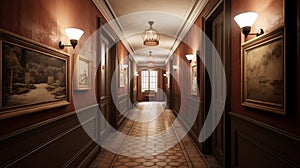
(150, 150)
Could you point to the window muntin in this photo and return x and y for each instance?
(149, 80)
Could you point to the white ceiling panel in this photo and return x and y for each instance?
(132, 16)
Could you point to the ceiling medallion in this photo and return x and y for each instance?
(151, 36)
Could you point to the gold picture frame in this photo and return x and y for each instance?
(34, 77)
(263, 68)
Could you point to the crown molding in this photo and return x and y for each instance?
(110, 17)
(195, 12)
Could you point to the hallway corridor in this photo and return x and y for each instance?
(160, 83)
(183, 154)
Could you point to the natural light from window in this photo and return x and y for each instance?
(149, 80)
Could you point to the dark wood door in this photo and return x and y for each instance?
(131, 79)
(218, 138)
(171, 99)
(216, 22)
(105, 72)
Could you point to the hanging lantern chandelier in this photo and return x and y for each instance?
(151, 36)
(150, 61)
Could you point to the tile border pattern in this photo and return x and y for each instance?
(192, 155)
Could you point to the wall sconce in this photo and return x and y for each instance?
(175, 67)
(74, 35)
(136, 74)
(189, 57)
(124, 66)
(165, 75)
(245, 21)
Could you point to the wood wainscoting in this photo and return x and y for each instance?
(194, 105)
(176, 99)
(123, 107)
(57, 142)
(255, 144)
(199, 121)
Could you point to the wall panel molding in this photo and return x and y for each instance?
(51, 143)
(85, 156)
(177, 102)
(265, 144)
(122, 105)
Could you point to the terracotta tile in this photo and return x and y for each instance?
(148, 163)
(184, 154)
(161, 163)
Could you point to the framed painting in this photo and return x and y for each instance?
(121, 76)
(194, 87)
(264, 72)
(33, 76)
(122, 79)
(82, 73)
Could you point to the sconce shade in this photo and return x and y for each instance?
(174, 67)
(125, 66)
(245, 19)
(74, 33)
(189, 57)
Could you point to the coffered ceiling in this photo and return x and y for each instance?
(129, 18)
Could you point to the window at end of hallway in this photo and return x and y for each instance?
(149, 80)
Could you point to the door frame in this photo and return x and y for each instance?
(215, 9)
(172, 90)
(104, 97)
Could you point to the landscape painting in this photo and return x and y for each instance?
(30, 77)
(264, 74)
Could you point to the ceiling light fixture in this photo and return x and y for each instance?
(150, 62)
(245, 21)
(74, 35)
(151, 36)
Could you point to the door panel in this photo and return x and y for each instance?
(219, 87)
(104, 72)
